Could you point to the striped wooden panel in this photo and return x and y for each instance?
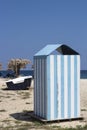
(40, 102)
(63, 75)
(56, 92)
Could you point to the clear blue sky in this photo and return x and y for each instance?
(26, 26)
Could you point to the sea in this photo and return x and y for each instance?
(6, 73)
(83, 74)
(9, 73)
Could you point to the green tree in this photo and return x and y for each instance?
(17, 64)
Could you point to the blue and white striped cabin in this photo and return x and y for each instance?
(57, 81)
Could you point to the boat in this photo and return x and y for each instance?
(20, 83)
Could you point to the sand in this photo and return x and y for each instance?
(15, 106)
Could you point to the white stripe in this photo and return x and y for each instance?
(45, 89)
(52, 85)
(72, 86)
(78, 84)
(59, 85)
(43, 85)
(65, 88)
(38, 88)
(38, 91)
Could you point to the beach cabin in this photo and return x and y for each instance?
(57, 82)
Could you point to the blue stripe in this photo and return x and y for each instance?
(35, 86)
(55, 88)
(62, 86)
(75, 86)
(41, 89)
(69, 86)
(48, 89)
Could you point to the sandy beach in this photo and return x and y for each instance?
(16, 105)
